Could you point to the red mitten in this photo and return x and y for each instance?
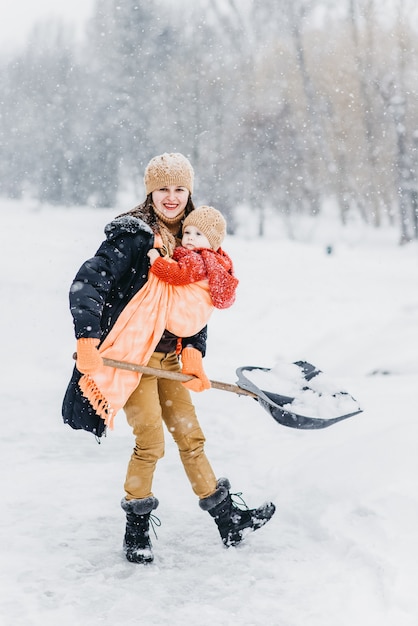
(193, 366)
(88, 356)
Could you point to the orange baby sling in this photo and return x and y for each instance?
(183, 310)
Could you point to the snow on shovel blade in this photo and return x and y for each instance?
(304, 391)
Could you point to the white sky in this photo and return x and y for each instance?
(19, 16)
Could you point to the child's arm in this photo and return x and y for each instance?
(222, 282)
(182, 272)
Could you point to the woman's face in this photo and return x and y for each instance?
(171, 200)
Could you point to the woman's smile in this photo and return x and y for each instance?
(171, 200)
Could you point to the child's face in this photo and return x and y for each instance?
(194, 238)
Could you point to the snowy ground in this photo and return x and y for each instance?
(342, 549)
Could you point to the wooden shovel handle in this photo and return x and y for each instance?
(153, 371)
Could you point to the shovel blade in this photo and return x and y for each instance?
(274, 403)
(302, 422)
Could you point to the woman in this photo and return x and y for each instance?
(101, 290)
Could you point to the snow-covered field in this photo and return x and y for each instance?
(342, 549)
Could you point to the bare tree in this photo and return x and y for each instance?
(363, 58)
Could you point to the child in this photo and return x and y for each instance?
(200, 257)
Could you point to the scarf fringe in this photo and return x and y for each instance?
(97, 400)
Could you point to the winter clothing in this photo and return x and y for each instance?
(233, 522)
(181, 304)
(88, 358)
(189, 266)
(183, 310)
(210, 222)
(168, 169)
(192, 364)
(137, 543)
(168, 228)
(157, 399)
(100, 291)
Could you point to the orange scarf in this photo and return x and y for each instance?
(183, 310)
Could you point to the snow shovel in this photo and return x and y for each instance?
(278, 406)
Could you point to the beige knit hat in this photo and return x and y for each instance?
(168, 169)
(210, 222)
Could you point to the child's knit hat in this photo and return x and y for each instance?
(168, 169)
(210, 222)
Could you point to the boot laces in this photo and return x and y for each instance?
(239, 502)
(154, 522)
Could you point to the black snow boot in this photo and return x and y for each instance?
(234, 522)
(137, 544)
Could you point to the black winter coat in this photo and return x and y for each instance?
(101, 289)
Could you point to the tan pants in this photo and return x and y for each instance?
(156, 400)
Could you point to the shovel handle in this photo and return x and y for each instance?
(183, 378)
